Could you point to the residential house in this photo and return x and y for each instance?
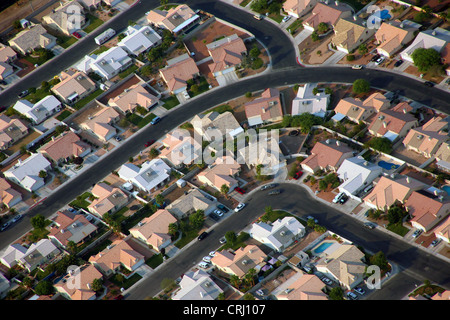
(151, 176)
(197, 285)
(110, 63)
(38, 254)
(308, 102)
(40, 111)
(442, 231)
(265, 154)
(90, 4)
(67, 18)
(139, 39)
(67, 146)
(5, 70)
(344, 265)
(265, 109)
(241, 261)
(357, 174)
(74, 86)
(4, 286)
(357, 110)
(350, 33)
(327, 155)
(215, 125)
(443, 157)
(445, 54)
(178, 20)
(77, 284)
(435, 39)
(442, 296)
(192, 201)
(278, 235)
(301, 286)
(391, 190)
(180, 148)
(26, 173)
(328, 13)
(298, 8)
(178, 71)
(226, 53)
(32, 38)
(7, 54)
(11, 131)
(108, 199)
(70, 227)
(120, 254)
(222, 172)
(394, 35)
(154, 230)
(101, 123)
(427, 139)
(426, 209)
(392, 124)
(135, 96)
(9, 196)
(12, 254)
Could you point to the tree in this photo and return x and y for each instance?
(159, 199)
(224, 189)
(315, 36)
(361, 86)
(72, 247)
(424, 59)
(173, 229)
(97, 285)
(235, 281)
(395, 215)
(42, 174)
(336, 294)
(322, 27)
(362, 49)
(197, 219)
(38, 221)
(254, 52)
(380, 260)
(44, 288)
(153, 153)
(381, 144)
(231, 237)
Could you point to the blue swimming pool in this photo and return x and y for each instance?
(384, 14)
(388, 165)
(324, 246)
(446, 189)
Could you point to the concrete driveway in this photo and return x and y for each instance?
(227, 78)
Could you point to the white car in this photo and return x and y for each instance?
(357, 67)
(212, 253)
(218, 212)
(286, 19)
(223, 240)
(207, 259)
(239, 207)
(379, 60)
(186, 95)
(203, 265)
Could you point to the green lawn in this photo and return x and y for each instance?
(128, 71)
(81, 103)
(295, 25)
(38, 95)
(186, 238)
(94, 23)
(398, 228)
(220, 109)
(244, 3)
(81, 202)
(171, 102)
(203, 86)
(67, 41)
(127, 283)
(63, 115)
(154, 261)
(146, 120)
(100, 50)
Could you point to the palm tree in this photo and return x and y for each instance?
(224, 189)
(235, 281)
(250, 276)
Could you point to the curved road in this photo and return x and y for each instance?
(410, 259)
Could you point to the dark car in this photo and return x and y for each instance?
(202, 236)
(343, 199)
(268, 186)
(375, 57)
(149, 143)
(297, 175)
(155, 120)
(223, 208)
(23, 94)
(398, 63)
(294, 133)
(436, 242)
(369, 225)
(429, 84)
(214, 216)
(5, 226)
(274, 192)
(239, 190)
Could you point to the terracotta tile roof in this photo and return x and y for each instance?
(393, 35)
(176, 74)
(226, 53)
(443, 229)
(11, 130)
(306, 287)
(428, 138)
(389, 120)
(267, 107)
(66, 146)
(326, 154)
(7, 193)
(73, 83)
(6, 53)
(171, 18)
(132, 97)
(347, 33)
(427, 210)
(180, 148)
(328, 14)
(221, 172)
(297, 6)
(84, 278)
(241, 261)
(109, 198)
(389, 190)
(100, 122)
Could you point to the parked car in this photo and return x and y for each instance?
(294, 133)
(338, 197)
(218, 212)
(268, 186)
(149, 143)
(258, 16)
(327, 281)
(417, 233)
(239, 190)
(17, 218)
(369, 225)
(360, 290)
(5, 226)
(429, 84)
(352, 295)
(297, 175)
(380, 60)
(203, 265)
(222, 207)
(274, 192)
(207, 259)
(223, 240)
(343, 199)
(202, 236)
(76, 35)
(436, 241)
(214, 216)
(23, 94)
(118, 138)
(239, 207)
(186, 95)
(286, 19)
(212, 253)
(398, 63)
(375, 57)
(259, 292)
(155, 120)
(357, 67)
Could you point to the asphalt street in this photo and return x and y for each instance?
(296, 200)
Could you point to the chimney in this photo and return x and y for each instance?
(384, 124)
(404, 110)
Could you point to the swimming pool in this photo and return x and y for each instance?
(324, 246)
(446, 189)
(388, 165)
